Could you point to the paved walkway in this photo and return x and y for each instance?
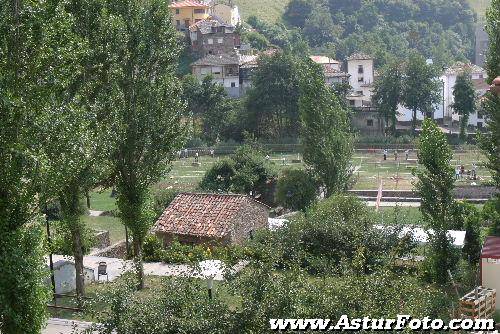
(95, 213)
(394, 204)
(63, 326)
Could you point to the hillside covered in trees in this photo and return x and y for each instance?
(439, 29)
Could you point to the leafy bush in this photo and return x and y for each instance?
(244, 172)
(491, 216)
(162, 198)
(296, 189)
(338, 230)
(62, 242)
(152, 248)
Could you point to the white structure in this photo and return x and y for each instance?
(64, 276)
(422, 236)
(227, 12)
(361, 78)
(490, 264)
(331, 69)
(448, 80)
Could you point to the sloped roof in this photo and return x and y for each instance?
(187, 3)
(491, 248)
(206, 215)
(460, 67)
(218, 60)
(205, 26)
(359, 56)
(323, 60)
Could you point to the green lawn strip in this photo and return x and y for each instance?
(105, 223)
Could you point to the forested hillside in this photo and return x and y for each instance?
(439, 29)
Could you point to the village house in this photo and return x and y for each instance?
(188, 12)
(232, 71)
(490, 264)
(361, 78)
(220, 219)
(228, 12)
(443, 111)
(331, 69)
(213, 36)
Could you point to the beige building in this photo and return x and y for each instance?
(490, 264)
(227, 12)
(188, 12)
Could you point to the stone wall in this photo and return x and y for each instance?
(102, 239)
(252, 217)
(118, 250)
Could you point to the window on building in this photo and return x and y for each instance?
(220, 40)
(233, 84)
(178, 22)
(352, 102)
(369, 122)
(360, 69)
(177, 11)
(199, 11)
(210, 41)
(361, 79)
(480, 125)
(359, 92)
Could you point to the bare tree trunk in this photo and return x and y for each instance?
(76, 237)
(139, 266)
(414, 123)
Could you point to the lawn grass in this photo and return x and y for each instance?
(105, 223)
(268, 10)
(101, 200)
(480, 6)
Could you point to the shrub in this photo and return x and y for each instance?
(152, 248)
(62, 242)
(296, 189)
(219, 177)
(162, 198)
(491, 216)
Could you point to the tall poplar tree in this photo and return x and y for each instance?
(435, 186)
(420, 87)
(147, 126)
(465, 101)
(325, 133)
(387, 94)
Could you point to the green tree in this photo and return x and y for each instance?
(319, 28)
(420, 89)
(147, 128)
(297, 12)
(272, 103)
(493, 30)
(387, 93)
(325, 134)
(465, 101)
(296, 189)
(435, 186)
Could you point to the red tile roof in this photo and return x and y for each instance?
(491, 248)
(187, 3)
(208, 215)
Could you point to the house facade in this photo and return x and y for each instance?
(188, 12)
(229, 13)
(213, 36)
(361, 73)
(331, 69)
(212, 219)
(224, 69)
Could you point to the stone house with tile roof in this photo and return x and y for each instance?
(214, 219)
(213, 36)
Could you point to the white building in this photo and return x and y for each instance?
(361, 74)
(331, 69)
(448, 80)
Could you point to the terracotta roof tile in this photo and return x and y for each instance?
(187, 3)
(491, 248)
(359, 56)
(209, 215)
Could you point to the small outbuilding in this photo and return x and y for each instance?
(220, 219)
(490, 264)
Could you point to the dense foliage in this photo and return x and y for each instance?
(326, 133)
(465, 100)
(296, 189)
(247, 171)
(435, 185)
(441, 30)
(387, 93)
